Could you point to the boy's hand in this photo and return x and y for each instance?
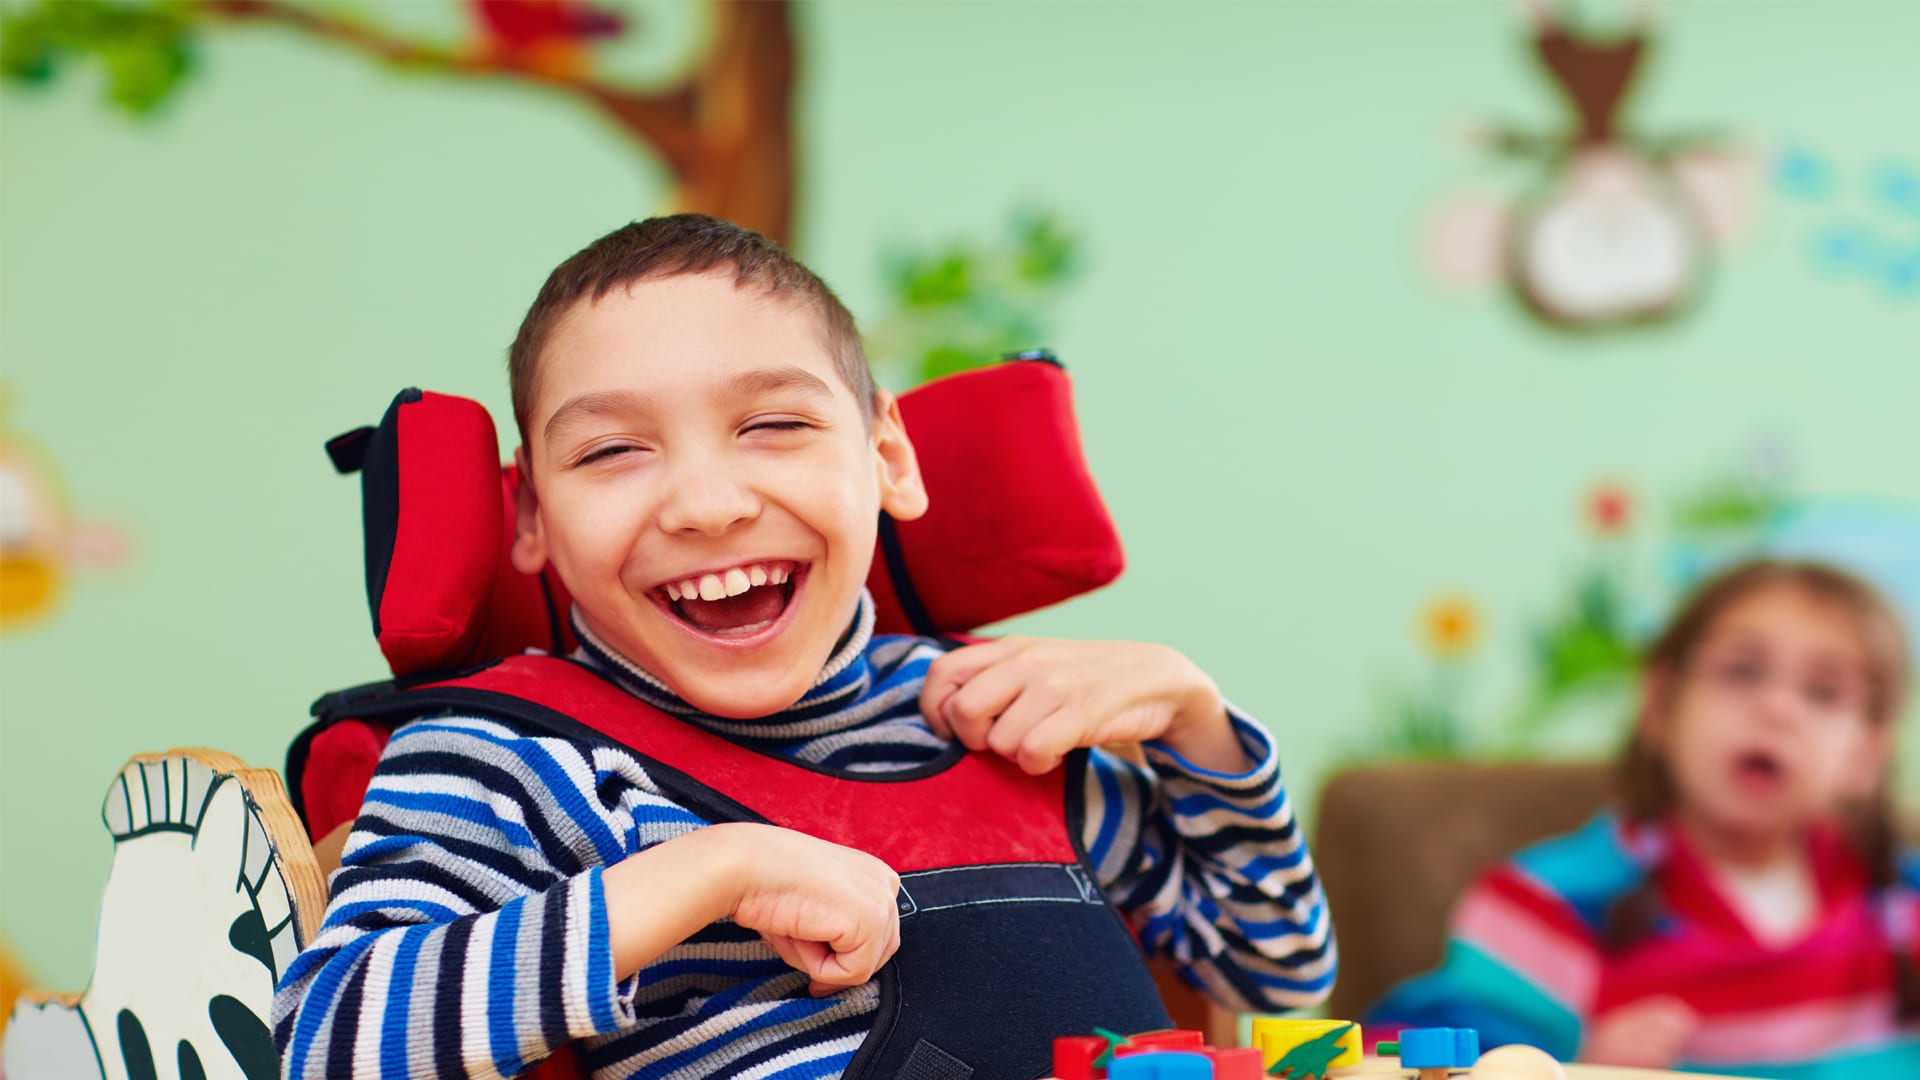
(1034, 700)
(1648, 1034)
(830, 911)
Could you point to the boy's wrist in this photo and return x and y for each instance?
(1202, 732)
(661, 895)
(722, 858)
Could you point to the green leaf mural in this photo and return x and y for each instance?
(962, 305)
(145, 50)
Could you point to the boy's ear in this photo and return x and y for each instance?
(903, 492)
(529, 555)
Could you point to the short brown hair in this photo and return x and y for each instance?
(668, 247)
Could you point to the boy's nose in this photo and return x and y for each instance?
(708, 501)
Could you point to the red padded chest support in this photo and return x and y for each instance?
(982, 809)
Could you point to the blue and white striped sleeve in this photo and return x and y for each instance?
(466, 932)
(1213, 872)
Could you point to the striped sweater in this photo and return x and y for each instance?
(1525, 961)
(466, 932)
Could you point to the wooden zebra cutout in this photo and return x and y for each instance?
(213, 891)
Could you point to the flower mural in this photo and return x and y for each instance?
(1580, 658)
(1450, 626)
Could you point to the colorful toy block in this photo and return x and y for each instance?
(1074, 1056)
(1237, 1063)
(1306, 1049)
(1434, 1051)
(1162, 1065)
(1176, 1054)
(1087, 1057)
(1172, 1039)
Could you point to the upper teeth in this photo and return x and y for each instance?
(729, 582)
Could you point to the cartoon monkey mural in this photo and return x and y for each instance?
(1622, 229)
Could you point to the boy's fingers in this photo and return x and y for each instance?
(854, 966)
(972, 710)
(791, 954)
(1016, 723)
(1048, 744)
(950, 671)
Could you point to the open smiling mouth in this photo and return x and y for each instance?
(736, 602)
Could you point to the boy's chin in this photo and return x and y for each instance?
(732, 703)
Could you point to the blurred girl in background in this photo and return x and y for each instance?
(1743, 907)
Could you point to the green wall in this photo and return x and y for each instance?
(1302, 437)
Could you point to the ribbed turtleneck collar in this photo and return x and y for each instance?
(822, 710)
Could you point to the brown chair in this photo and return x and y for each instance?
(1396, 844)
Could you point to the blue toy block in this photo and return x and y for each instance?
(1161, 1065)
(1466, 1047)
(1439, 1048)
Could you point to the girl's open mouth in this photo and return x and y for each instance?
(1758, 768)
(736, 602)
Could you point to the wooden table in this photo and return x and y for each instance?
(1385, 1067)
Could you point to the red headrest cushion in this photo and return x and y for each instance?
(1015, 522)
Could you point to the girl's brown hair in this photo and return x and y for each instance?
(1643, 785)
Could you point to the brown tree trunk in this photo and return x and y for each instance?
(726, 134)
(743, 119)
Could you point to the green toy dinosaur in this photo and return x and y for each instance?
(1311, 1059)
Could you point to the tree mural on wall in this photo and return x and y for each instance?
(724, 132)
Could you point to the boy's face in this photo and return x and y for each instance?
(685, 431)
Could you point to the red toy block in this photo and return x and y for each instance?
(1172, 1039)
(1074, 1055)
(1236, 1063)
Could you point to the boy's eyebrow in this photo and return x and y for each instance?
(744, 385)
(597, 403)
(768, 380)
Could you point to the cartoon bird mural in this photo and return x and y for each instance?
(545, 36)
(40, 543)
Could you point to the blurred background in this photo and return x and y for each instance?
(1424, 351)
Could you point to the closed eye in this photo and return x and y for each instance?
(779, 425)
(604, 453)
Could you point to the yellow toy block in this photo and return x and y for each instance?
(1277, 1038)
